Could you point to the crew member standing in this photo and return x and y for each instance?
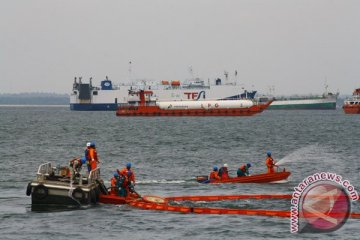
(270, 163)
(93, 157)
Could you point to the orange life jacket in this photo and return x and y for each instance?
(130, 175)
(214, 175)
(93, 158)
(270, 164)
(113, 190)
(224, 173)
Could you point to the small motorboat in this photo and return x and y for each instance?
(57, 186)
(259, 178)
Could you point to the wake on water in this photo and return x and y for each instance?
(161, 181)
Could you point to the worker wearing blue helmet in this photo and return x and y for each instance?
(214, 175)
(128, 172)
(270, 163)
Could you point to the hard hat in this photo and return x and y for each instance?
(225, 165)
(248, 165)
(215, 168)
(116, 174)
(92, 144)
(268, 153)
(83, 160)
(128, 165)
(88, 144)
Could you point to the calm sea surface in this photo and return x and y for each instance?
(167, 153)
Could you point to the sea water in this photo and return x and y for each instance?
(167, 153)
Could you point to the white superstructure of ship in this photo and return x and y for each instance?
(108, 96)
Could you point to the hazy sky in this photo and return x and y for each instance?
(293, 45)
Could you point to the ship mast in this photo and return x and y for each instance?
(226, 73)
(191, 71)
(130, 79)
(236, 73)
(326, 87)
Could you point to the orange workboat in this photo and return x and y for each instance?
(259, 178)
(239, 107)
(352, 105)
(110, 198)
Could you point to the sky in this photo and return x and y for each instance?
(289, 46)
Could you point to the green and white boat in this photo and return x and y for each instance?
(327, 101)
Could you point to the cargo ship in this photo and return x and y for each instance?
(146, 107)
(352, 105)
(327, 101)
(108, 96)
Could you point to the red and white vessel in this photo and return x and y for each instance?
(352, 105)
(146, 107)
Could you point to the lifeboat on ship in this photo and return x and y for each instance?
(352, 105)
(259, 178)
(240, 107)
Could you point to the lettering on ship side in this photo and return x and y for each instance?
(195, 95)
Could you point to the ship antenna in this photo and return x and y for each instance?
(226, 73)
(326, 86)
(191, 72)
(130, 73)
(236, 77)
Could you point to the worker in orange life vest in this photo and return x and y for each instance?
(129, 173)
(93, 157)
(114, 187)
(223, 172)
(270, 163)
(214, 175)
(130, 178)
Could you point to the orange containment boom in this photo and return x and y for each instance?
(229, 197)
(164, 206)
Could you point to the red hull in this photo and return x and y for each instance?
(151, 111)
(112, 199)
(260, 178)
(351, 109)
